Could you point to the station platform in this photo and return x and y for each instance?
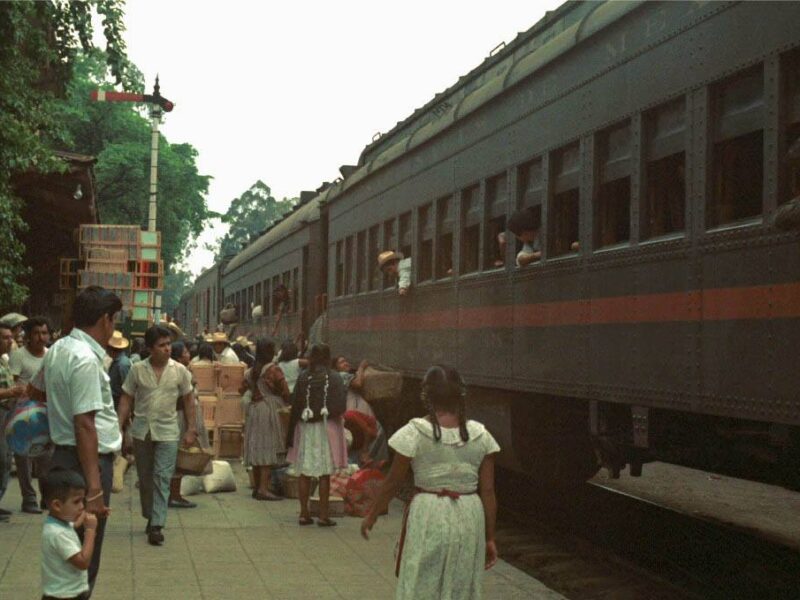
(232, 546)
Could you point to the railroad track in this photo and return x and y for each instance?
(594, 542)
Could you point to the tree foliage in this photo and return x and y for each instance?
(249, 216)
(39, 42)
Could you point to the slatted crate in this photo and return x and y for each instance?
(208, 406)
(229, 410)
(205, 377)
(229, 378)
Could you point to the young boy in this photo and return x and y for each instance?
(64, 560)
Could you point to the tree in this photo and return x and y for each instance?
(175, 284)
(39, 42)
(119, 135)
(249, 216)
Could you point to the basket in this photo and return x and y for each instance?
(192, 461)
(335, 506)
(291, 486)
(382, 383)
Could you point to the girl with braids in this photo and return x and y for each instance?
(447, 539)
(316, 431)
(263, 438)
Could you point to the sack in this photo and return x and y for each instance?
(192, 461)
(382, 383)
(362, 491)
(221, 478)
(120, 466)
(228, 314)
(191, 485)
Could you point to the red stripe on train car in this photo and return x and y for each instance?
(779, 301)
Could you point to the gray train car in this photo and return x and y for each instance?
(663, 317)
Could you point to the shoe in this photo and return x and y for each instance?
(155, 537)
(181, 503)
(267, 497)
(326, 523)
(4, 512)
(31, 509)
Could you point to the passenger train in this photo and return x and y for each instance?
(663, 318)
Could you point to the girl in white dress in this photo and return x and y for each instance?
(448, 534)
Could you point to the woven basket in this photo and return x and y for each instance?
(291, 486)
(191, 461)
(335, 506)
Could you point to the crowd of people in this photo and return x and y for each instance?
(107, 397)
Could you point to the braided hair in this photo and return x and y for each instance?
(444, 389)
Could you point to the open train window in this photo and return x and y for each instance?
(406, 235)
(612, 205)
(257, 300)
(445, 227)
(530, 190)
(470, 229)
(295, 289)
(237, 303)
(564, 209)
(790, 184)
(389, 243)
(339, 268)
(663, 207)
(496, 209)
(264, 299)
(425, 238)
(349, 287)
(738, 154)
(273, 299)
(361, 262)
(372, 256)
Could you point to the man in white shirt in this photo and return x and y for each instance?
(152, 389)
(24, 363)
(83, 424)
(525, 225)
(396, 267)
(222, 349)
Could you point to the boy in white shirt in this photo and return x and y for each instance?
(65, 560)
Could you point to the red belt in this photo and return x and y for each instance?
(441, 494)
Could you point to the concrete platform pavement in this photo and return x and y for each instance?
(231, 546)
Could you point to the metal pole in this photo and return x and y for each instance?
(155, 115)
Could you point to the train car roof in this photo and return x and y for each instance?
(306, 213)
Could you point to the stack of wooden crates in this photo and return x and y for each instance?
(221, 403)
(123, 259)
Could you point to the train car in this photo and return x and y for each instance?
(276, 283)
(662, 318)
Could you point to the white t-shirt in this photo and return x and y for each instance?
(291, 371)
(24, 365)
(60, 542)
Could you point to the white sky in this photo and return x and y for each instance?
(287, 92)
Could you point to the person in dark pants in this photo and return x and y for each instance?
(83, 424)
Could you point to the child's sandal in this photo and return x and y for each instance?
(305, 521)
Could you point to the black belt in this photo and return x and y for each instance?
(75, 450)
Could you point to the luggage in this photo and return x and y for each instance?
(382, 383)
(191, 485)
(221, 478)
(228, 314)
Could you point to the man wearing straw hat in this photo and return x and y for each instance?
(222, 349)
(120, 365)
(397, 268)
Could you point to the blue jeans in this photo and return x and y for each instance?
(155, 464)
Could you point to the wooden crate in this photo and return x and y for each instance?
(228, 441)
(229, 410)
(208, 406)
(205, 376)
(230, 377)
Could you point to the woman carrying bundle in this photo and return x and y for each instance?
(316, 432)
(263, 439)
(447, 538)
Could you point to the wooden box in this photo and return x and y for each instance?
(205, 377)
(230, 377)
(229, 410)
(335, 506)
(208, 405)
(228, 442)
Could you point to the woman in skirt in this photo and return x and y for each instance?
(316, 431)
(447, 538)
(263, 439)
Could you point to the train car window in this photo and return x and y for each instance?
(389, 243)
(471, 219)
(563, 214)
(361, 262)
(612, 206)
(251, 297)
(295, 289)
(373, 274)
(276, 281)
(237, 304)
(530, 188)
(349, 280)
(738, 153)
(425, 239)
(339, 268)
(445, 226)
(790, 185)
(405, 234)
(663, 207)
(496, 209)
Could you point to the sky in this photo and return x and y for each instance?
(287, 92)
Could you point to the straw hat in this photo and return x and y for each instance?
(219, 337)
(242, 339)
(118, 341)
(13, 319)
(208, 339)
(175, 329)
(388, 256)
